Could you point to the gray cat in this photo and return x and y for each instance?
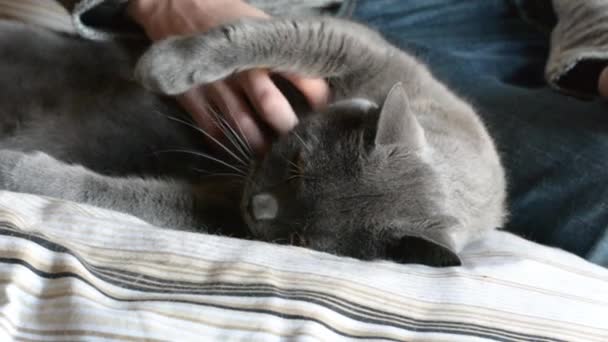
(396, 167)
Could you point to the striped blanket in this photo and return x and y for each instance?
(73, 272)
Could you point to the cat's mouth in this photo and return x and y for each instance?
(259, 207)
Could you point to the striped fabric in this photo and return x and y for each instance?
(72, 272)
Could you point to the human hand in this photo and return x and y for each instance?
(235, 96)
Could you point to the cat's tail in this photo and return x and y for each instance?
(336, 49)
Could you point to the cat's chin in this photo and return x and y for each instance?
(244, 206)
(244, 210)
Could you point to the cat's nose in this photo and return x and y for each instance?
(264, 206)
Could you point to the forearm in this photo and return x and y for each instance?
(107, 19)
(579, 45)
(162, 18)
(142, 10)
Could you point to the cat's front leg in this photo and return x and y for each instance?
(40, 174)
(314, 47)
(163, 203)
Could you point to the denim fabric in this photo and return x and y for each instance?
(555, 148)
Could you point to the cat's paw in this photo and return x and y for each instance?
(175, 65)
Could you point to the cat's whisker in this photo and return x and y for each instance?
(220, 122)
(200, 130)
(302, 141)
(232, 135)
(298, 174)
(238, 139)
(229, 133)
(232, 140)
(200, 170)
(292, 166)
(218, 174)
(240, 136)
(211, 138)
(233, 177)
(223, 124)
(287, 223)
(243, 137)
(207, 156)
(293, 177)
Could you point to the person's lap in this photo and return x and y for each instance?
(554, 147)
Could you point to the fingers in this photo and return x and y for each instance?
(193, 101)
(230, 97)
(203, 102)
(268, 101)
(603, 83)
(315, 90)
(232, 106)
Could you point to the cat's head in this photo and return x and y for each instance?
(354, 180)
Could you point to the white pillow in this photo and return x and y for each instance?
(72, 271)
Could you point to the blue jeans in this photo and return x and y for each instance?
(554, 147)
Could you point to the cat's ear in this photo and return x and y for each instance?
(397, 124)
(426, 245)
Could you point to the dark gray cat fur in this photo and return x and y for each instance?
(397, 167)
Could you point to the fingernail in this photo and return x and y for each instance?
(323, 96)
(293, 119)
(285, 118)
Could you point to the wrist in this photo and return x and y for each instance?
(139, 9)
(163, 18)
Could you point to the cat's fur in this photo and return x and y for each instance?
(397, 166)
